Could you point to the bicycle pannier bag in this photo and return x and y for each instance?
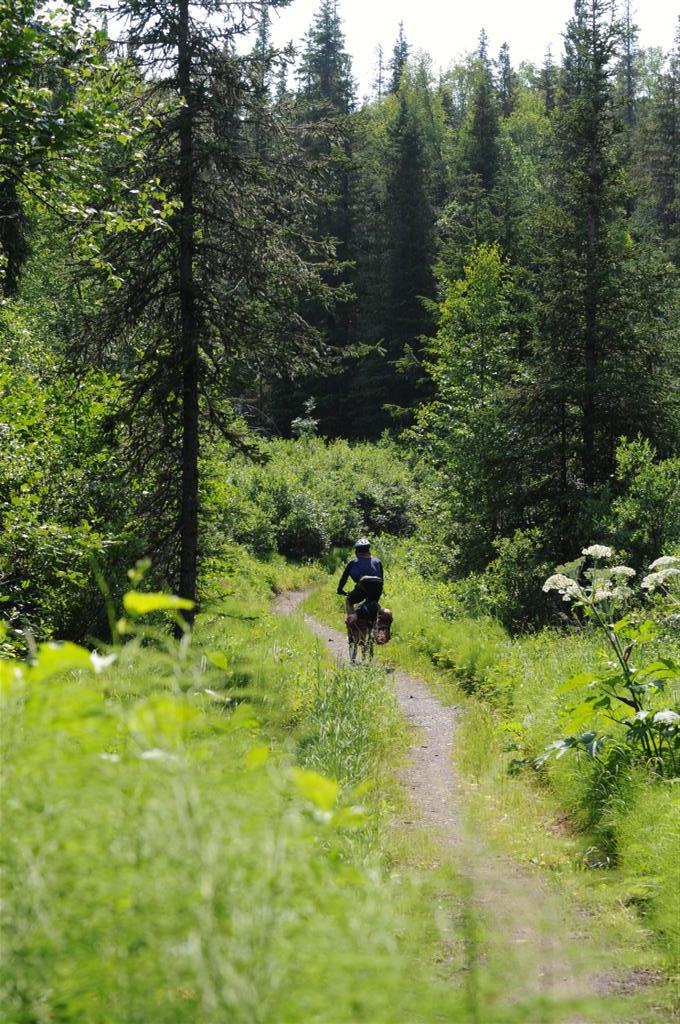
(383, 632)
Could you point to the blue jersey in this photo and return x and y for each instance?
(358, 567)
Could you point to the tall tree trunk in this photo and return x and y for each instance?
(189, 320)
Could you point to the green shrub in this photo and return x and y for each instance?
(304, 497)
(63, 499)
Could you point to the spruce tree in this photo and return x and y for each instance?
(202, 306)
(600, 297)
(471, 216)
(662, 153)
(399, 59)
(410, 252)
(506, 81)
(325, 74)
(326, 97)
(548, 81)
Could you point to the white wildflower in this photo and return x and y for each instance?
(113, 758)
(157, 755)
(664, 561)
(622, 570)
(658, 579)
(641, 715)
(667, 717)
(564, 585)
(598, 551)
(101, 661)
(604, 593)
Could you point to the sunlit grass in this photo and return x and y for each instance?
(513, 713)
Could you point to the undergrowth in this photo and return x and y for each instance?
(193, 831)
(619, 826)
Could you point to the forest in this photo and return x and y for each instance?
(247, 317)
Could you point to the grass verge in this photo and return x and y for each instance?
(195, 832)
(508, 689)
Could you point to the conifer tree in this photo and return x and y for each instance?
(627, 72)
(397, 64)
(379, 83)
(410, 251)
(661, 147)
(472, 214)
(600, 297)
(325, 74)
(479, 143)
(192, 300)
(507, 81)
(548, 81)
(326, 97)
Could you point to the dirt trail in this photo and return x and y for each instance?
(535, 946)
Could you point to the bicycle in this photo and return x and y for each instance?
(361, 633)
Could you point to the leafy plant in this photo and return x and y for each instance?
(627, 694)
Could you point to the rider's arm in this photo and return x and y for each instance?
(344, 578)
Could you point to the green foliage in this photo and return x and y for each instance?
(645, 517)
(463, 434)
(634, 696)
(63, 508)
(64, 111)
(159, 792)
(304, 498)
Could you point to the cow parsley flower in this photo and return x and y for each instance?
(658, 579)
(598, 551)
(564, 585)
(101, 661)
(622, 570)
(664, 562)
(667, 717)
(619, 593)
(641, 715)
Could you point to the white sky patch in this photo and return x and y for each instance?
(448, 28)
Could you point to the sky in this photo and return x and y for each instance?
(447, 28)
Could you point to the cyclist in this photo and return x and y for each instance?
(366, 573)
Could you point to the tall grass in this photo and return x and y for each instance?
(624, 819)
(163, 860)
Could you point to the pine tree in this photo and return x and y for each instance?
(627, 72)
(326, 96)
(203, 305)
(399, 59)
(548, 81)
(507, 81)
(325, 74)
(379, 83)
(410, 252)
(472, 215)
(600, 298)
(662, 157)
(479, 138)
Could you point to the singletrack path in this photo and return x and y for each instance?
(535, 949)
